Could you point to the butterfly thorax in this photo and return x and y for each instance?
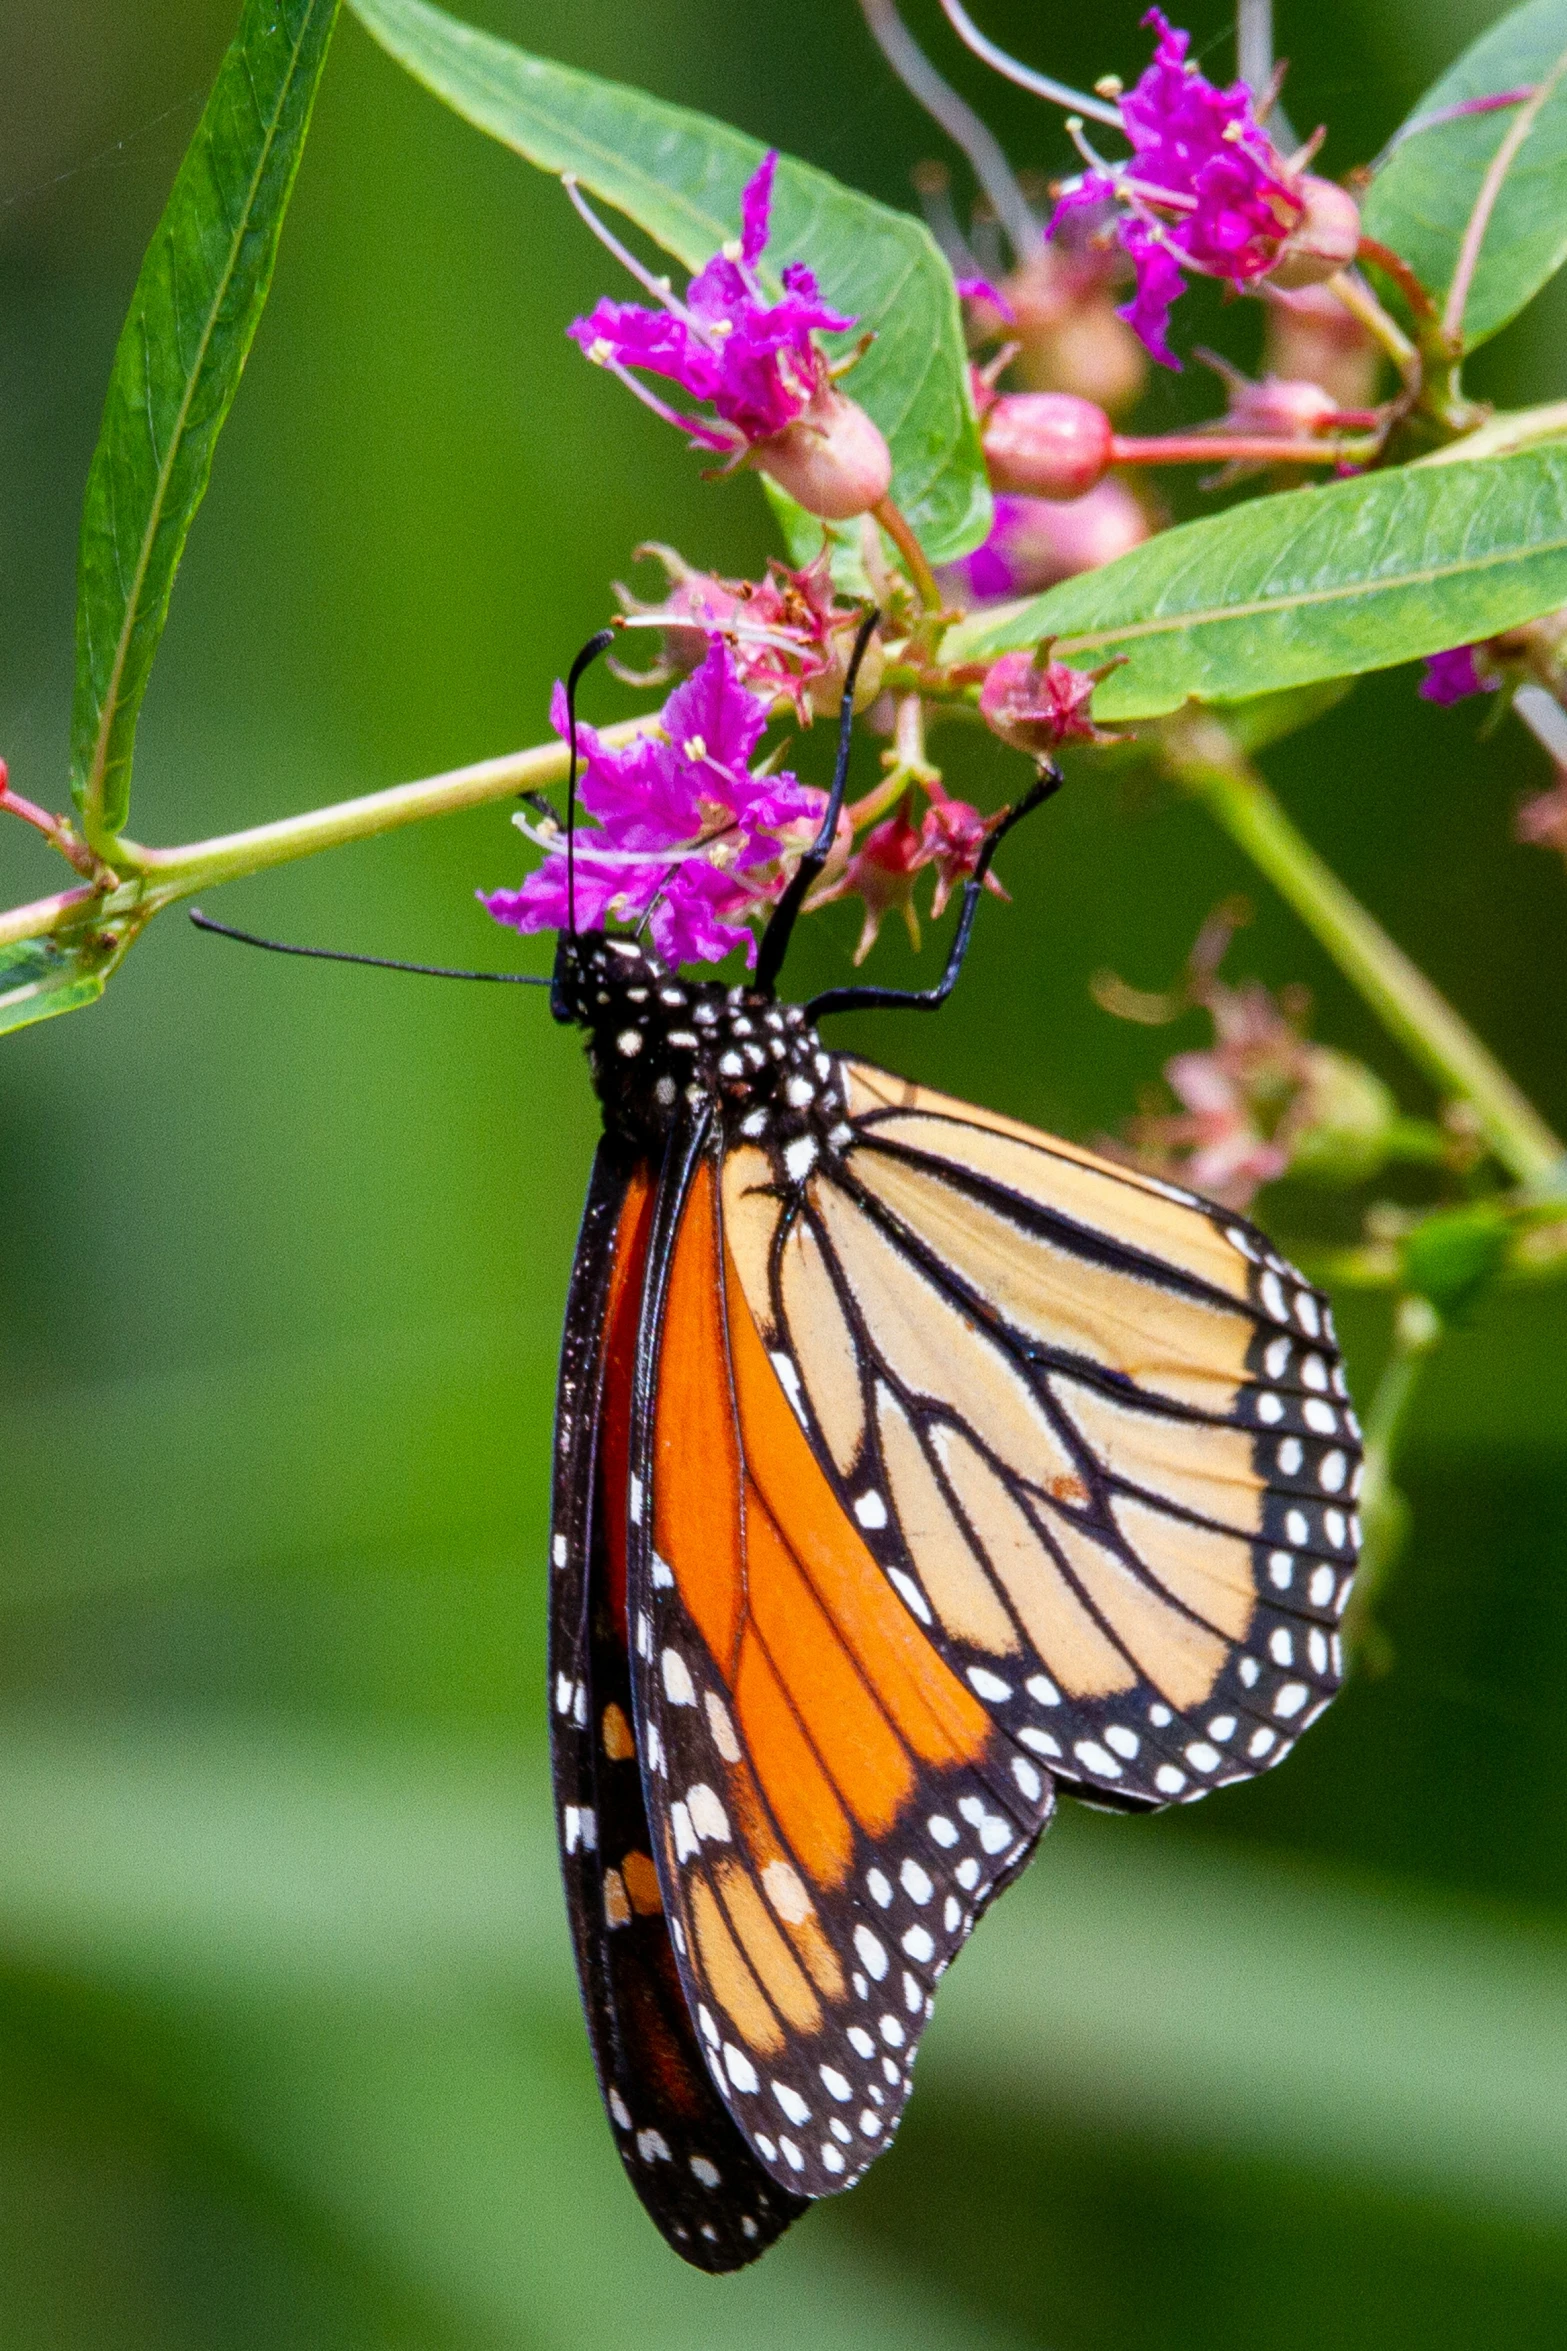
(660, 1046)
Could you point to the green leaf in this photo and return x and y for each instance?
(678, 175)
(40, 977)
(1421, 201)
(1307, 585)
(192, 319)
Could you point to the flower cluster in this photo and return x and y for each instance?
(1263, 1100)
(789, 637)
(687, 835)
(884, 868)
(1205, 190)
(756, 364)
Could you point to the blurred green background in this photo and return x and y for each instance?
(289, 2051)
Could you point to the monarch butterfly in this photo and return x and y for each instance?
(910, 1464)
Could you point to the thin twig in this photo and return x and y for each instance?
(961, 124)
(1041, 84)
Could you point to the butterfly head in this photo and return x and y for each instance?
(662, 1047)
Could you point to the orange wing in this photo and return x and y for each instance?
(687, 2162)
(832, 1804)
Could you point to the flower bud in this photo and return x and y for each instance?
(1049, 443)
(882, 871)
(1346, 1117)
(1324, 240)
(832, 460)
(1036, 704)
(1034, 542)
(1293, 409)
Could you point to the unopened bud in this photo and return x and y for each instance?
(833, 460)
(1292, 409)
(1037, 704)
(1051, 444)
(1324, 240)
(1034, 542)
(1348, 1116)
(1069, 337)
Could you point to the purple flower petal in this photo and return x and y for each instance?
(713, 709)
(981, 290)
(1452, 677)
(756, 204)
(755, 363)
(1159, 285)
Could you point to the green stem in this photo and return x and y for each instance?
(1202, 756)
(1503, 436)
(1358, 299)
(150, 879)
(1417, 1333)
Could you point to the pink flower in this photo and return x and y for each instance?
(756, 364)
(1262, 1100)
(787, 633)
(1453, 676)
(1204, 188)
(752, 360)
(685, 834)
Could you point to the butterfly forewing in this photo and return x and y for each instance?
(831, 1803)
(1094, 1430)
(687, 2161)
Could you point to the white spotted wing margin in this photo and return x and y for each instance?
(811, 1975)
(689, 2165)
(1097, 1432)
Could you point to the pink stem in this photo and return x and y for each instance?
(1233, 448)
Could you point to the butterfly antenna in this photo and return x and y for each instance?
(427, 971)
(775, 939)
(584, 661)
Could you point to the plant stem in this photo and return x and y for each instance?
(1361, 303)
(1200, 753)
(1417, 1332)
(43, 916)
(898, 529)
(1505, 435)
(1235, 448)
(154, 878)
(1394, 266)
(1479, 220)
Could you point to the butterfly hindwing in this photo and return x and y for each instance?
(688, 2163)
(831, 1804)
(1095, 1428)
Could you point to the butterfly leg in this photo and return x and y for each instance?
(1048, 782)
